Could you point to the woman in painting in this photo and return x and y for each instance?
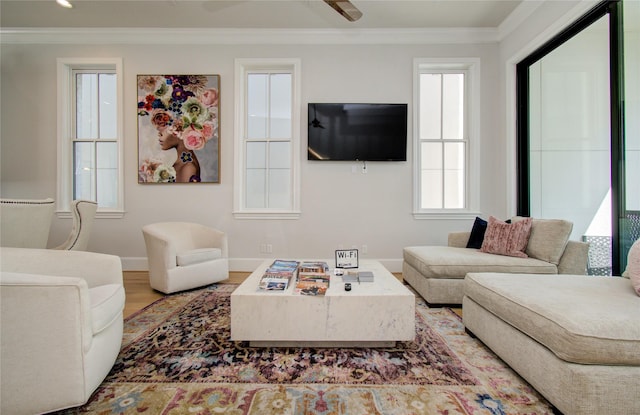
(186, 134)
(187, 167)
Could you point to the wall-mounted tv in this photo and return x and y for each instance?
(365, 132)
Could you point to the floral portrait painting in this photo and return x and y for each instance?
(178, 129)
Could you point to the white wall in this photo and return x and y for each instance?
(338, 207)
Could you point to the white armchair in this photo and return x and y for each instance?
(83, 211)
(25, 223)
(185, 255)
(61, 326)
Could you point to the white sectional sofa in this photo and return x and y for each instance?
(437, 272)
(574, 338)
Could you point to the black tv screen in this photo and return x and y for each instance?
(365, 132)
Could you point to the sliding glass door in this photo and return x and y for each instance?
(630, 188)
(571, 135)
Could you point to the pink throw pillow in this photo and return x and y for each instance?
(510, 239)
(633, 266)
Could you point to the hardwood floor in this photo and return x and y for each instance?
(139, 293)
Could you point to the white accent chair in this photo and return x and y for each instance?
(61, 326)
(83, 211)
(25, 223)
(184, 255)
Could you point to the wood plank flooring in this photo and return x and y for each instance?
(139, 293)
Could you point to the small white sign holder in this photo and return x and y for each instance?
(347, 258)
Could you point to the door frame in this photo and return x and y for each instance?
(613, 8)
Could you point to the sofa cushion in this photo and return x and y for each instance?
(107, 303)
(197, 256)
(477, 233)
(548, 238)
(452, 262)
(581, 319)
(503, 238)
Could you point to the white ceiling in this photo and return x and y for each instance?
(256, 14)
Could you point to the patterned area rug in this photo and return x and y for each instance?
(177, 359)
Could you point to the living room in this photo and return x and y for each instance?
(368, 206)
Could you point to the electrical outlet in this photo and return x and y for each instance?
(269, 249)
(365, 249)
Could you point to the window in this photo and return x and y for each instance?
(267, 139)
(89, 134)
(446, 96)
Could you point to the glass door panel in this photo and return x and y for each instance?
(570, 140)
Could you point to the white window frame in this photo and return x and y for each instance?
(65, 69)
(242, 68)
(471, 67)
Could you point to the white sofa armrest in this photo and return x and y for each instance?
(458, 239)
(161, 248)
(33, 304)
(96, 269)
(574, 258)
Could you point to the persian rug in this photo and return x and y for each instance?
(177, 358)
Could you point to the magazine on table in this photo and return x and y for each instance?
(313, 267)
(313, 278)
(278, 276)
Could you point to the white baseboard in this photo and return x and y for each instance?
(243, 264)
(134, 263)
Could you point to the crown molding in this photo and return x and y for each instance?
(246, 36)
(517, 17)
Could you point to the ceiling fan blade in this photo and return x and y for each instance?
(346, 9)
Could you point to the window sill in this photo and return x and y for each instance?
(112, 214)
(270, 215)
(445, 215)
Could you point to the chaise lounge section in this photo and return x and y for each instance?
(574, 338)
(437, 272)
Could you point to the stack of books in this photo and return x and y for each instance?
(313, 278)
(358, 276)
(365, 276)
(278, 276)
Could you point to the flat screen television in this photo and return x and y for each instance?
(364, 132)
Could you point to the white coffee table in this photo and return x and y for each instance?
(372, 314)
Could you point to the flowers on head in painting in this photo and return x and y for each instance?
(210, 97)
(193, 139)
(182, 103)
(149, 82)
(194, 112)
(161, 119)
(179, 94)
